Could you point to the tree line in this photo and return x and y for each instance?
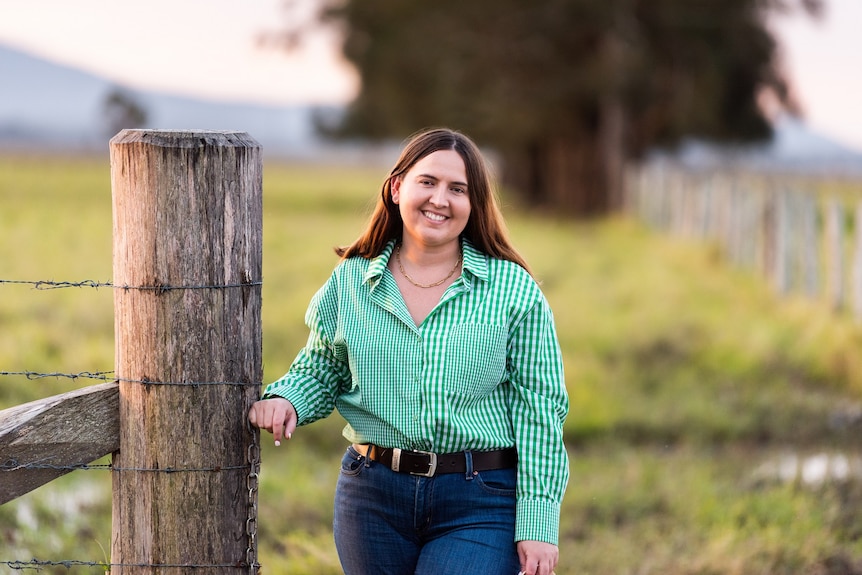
(567, 91)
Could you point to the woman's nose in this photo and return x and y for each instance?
(438, 196)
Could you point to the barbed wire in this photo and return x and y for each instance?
(12, 465)
(50, 284)
(37, 564)
(146, 381)
(158, 288)
(101, 375)
(15, 465)
(106, 376)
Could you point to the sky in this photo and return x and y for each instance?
(211, 49)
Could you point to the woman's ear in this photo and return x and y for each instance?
(395, 188)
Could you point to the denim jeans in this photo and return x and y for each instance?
(389, 523)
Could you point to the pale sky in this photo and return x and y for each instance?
(207, 48)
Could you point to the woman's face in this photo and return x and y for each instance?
(433, 199)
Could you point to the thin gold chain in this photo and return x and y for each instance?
(414, 282)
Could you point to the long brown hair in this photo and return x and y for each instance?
(485, 228)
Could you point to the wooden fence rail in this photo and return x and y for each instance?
(45, 439)
(801, 240)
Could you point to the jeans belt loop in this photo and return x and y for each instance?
(468, 472)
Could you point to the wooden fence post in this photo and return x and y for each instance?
(857, 263)
(781, 273)
(809, 245)
(188, 244)
(835, 252)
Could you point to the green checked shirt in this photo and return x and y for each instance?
(483, 371)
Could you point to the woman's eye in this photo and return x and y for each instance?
(459, 190)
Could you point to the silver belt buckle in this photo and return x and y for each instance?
(432, 462)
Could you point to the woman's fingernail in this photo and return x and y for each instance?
(277, 443)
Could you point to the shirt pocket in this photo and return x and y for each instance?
(475, 359)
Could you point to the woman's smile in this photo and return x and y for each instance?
(434, 217)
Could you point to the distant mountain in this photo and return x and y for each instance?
(43, 104)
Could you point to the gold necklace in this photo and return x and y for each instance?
(417, 284)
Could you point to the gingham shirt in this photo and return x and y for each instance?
(483, 371)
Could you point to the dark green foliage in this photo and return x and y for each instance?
(566, 90)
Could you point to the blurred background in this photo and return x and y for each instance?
(634, 75)
(684, 177)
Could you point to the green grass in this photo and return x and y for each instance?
(685, 377)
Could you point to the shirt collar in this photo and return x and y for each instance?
(475, 262)
(377, 265)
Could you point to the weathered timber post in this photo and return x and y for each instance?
(857, 263)
(188, 244)
(835, 252)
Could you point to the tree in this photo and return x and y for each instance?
(565, 90)
(122, 110)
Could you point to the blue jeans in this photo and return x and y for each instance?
(390, 523)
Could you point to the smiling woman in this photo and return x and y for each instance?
(452, 388)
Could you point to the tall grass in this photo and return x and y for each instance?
(686, 378)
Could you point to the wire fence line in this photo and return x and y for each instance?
(250, 466)
(100, 375)
(104, 376)
(38, 565)
(14, 465)
(158, 288)
(801, 238)
(108, 375)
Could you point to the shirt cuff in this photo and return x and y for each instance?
(293, 395)
(538, 520)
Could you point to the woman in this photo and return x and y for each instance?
(438, 348)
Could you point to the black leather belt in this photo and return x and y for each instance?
(430, 464)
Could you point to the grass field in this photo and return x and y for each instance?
(692, 387)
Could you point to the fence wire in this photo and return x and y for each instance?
(10, 465)
(15, 465)
(107, 376)
(38, 565)
(158, 288)
(100, 375)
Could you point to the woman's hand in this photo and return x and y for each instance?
(276, 415)
(537, 557)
